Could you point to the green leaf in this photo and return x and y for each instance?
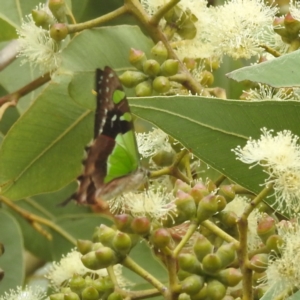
(7, 32)
(46, 144)
(279, 72)
(12, 260)
(211, 128)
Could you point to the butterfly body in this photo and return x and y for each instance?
(112, 166)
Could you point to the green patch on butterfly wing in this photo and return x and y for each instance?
(118, 96)
(124, 158)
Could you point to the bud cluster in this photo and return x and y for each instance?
(48, 20)
(153, 74)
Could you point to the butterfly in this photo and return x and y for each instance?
(112, 165)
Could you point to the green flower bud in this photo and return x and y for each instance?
(71, 296)
(59, 31)
(211, 186)
(151, 67)
(84, 246)
(57, 296)
(274, 243)
(141, 225)
(181, 274)
(207, 78)
(188, 30)
(77, 284)
(259, 262)
(90, 261)
(230, 276)
(228, 218)
(115, 296)
(137, 58)
(105, 256)
(132, 78)
(212, 64)
(122, 243)
(169, 67)
(202, 247)
(189, 263)
(104, 235)
(184, 296)
(201, 295)
(160, 238)
(123, 222)
(159, 52)
(97, 246)
(260, 291)
(221, 202)
(227, 191)
(215, 290)
(192, 284)
(163, 158)
(174, 15)
(42, 19)
(182, 186)
(211, 263)
(207, 207)
(226, 253)
(58, 9)
(135, 238)
(144, 89)
(266, 227)
(90, 293)
(199, 191)
(99, 285)
(258, 277)
(161, 84)
(186, 207)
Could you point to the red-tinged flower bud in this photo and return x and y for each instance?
(227, 191)
(57, 296)
(189, 263)
(144, 89)
(201, 295)
(169, 67)
(190, 63)
(202, 247)
(216, 290)
(59, 31)
(104, 235)
(159, 52)
(207, 207)
(137, 58)
(211, 263)
(186, 207)
(291, 24)
(228, 218)
(259, 262)
(42, 19)
(84, 246)
(226, 253)
(123, 222)
(274, 242)
(199, 191)
(58, 9)
(141, 225)
(188, 30)
(160, 238)
(90, 293)
(115, 296)
(151, 67)
(279, 27)
(90, 261)
(184, 296)
(192, 284)
(230, 276)
(77, 284)
(182, 186)
(161, 84)
(207, 78)
(221, 202)
(132, 78)
(105, 256)
(266, 227)
(122, 243)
